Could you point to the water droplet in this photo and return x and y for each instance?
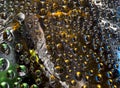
(19, 79)
(98, 86)
(7, 35)
(38, 81)
(73, 82)
(98, 78)
(34, 86)
(10, 74)
(19, 47)
(78, 75)
(109, 82)
(16, 85)
(4, 85)
(24, 85)
(109, 74)
(22, 70)
(84, 86)
(4, 48)
(38, 73)
(3, 64)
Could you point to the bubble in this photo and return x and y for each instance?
(3, 64)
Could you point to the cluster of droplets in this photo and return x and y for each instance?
(78, 44)
(19, 66)
(82, 37)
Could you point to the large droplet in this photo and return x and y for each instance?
(3, 64)
(4, 85)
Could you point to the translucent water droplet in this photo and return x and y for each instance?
(38, 73)
(19, 47)
(109, 82)
(78, 75)
(109, 74)
(10, 74)
(98, 78)
(7, 35)
(4, 48)
(27, 61)
(24, 85)
(38, 81)
(34, 86)
(22, 70)
(16, 85)
(4, 85)
(19, 80)
(3, 64)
